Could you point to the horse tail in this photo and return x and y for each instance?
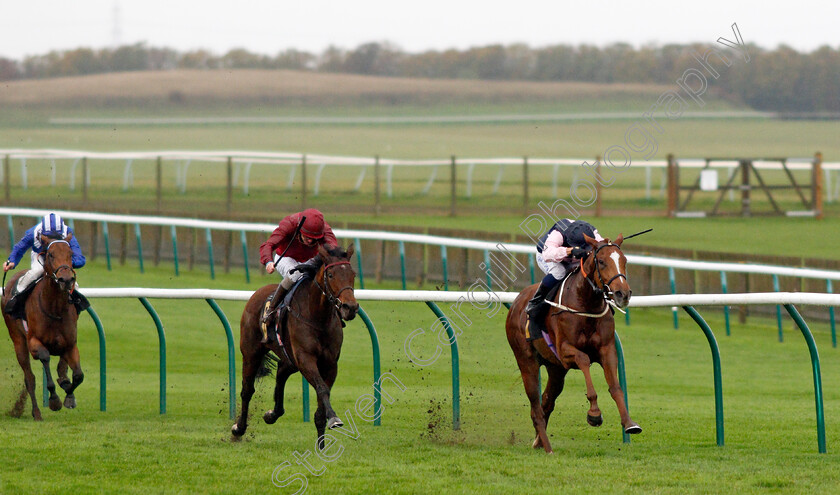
(268, 366)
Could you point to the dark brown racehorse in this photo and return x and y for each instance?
(583, 332)
(51, 320)
(314, 338)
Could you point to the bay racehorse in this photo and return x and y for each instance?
(49, 328)
(312, 342)
(582, 331)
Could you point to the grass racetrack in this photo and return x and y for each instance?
(768, 409)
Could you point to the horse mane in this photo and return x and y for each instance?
(334, 251)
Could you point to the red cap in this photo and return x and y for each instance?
(313, 226)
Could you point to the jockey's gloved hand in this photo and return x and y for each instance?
(305, 269)
(578, 252)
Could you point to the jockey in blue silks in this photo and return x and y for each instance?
(556, 251)
(53, 227)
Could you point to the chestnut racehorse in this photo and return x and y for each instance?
(312, 343)
(582, 330)
(50, 327)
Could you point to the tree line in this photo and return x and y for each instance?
(781, 79)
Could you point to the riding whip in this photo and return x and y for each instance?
(638, 233)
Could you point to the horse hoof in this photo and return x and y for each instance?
(55, 404)
(595, 420)
(269, 417)
(334, 423)
(37, 416)
(234, 430)
(537, 443)
(633, 429)
(70, 402)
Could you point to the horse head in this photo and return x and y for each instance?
(337, 277)
(58, 262)
(607, 265)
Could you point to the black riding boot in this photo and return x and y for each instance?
(537, 309)
(269, 312)
(13, 302)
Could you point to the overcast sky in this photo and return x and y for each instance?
(269, 26)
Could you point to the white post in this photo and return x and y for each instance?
(428, 186)
(318, 178)
(128, 175)
(360, 179)
(291, 178)
(23, 178)
(470, 168)
(498, 179)
(247, 177)
(389, 176)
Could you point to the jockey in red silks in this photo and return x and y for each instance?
(296, 248)
(53, 227)
(556, 251)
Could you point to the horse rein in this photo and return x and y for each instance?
(607, 294)
(327, 291)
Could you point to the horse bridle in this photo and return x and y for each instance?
(608, 293)
(54, 273)
(333, 298)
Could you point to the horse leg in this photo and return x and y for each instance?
(593, 416)
(28, 382)
(251, 363)
(553, 388)
(309, 369)
(283, 374)
(329, 372)
(529, 368)
(71, 359)
(609, 362)
(41, 353)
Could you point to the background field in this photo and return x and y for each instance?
(768, 404)
(768, 392)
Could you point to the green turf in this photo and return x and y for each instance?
(768, 405)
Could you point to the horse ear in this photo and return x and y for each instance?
(592, 242)
(619, 240)
(45, 241)
(69, 237)
(350, 250)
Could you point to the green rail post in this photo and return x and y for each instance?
(305, 398)
(162, 350)
(622, 380)
(725, 308)
(231, 355)
(716, 366)
(102, 361)
(673, 279)
(830, 290)
(778, 308)
(532, 269)
(377, 387)
(627, 316)
(456, 379)
(107, 238)
(11, 230)
(209, 238)
(445, 268)
(174, 248)
(245, 255)
(402, 262)
(487, 269)
(139, 246)
(358, 245)
(46, 395)
(815, 367)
